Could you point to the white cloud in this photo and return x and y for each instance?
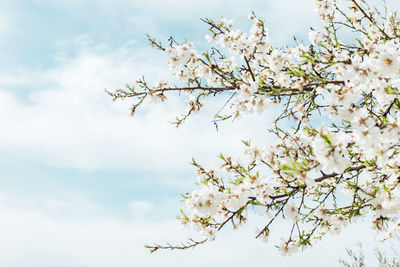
(140, 208)
(68, 120)
(33, 235)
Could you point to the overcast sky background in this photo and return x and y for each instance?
(84, 184)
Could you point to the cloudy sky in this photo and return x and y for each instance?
(84, 184)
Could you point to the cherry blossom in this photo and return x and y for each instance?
(336, 158)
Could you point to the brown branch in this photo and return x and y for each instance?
(276, 215)
(190, 244)
(232, 216)
(369, 18)
(202, 88)
(389, 108)
(326, 176)
(249, 68)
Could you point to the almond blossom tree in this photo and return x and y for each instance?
(337, 155)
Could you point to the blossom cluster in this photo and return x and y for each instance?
(336, 158)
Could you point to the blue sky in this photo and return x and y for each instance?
(83, 183)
